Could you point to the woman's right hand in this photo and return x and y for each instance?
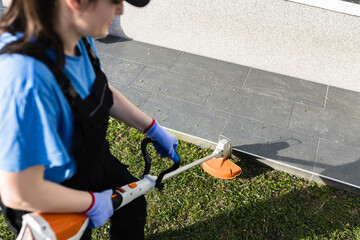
(101, 208)
(165, 143)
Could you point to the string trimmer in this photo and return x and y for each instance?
(55, 226)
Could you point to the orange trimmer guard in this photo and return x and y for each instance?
(221, 168)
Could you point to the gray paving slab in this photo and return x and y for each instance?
(329, 125)
(271, 142)
(211, 69)
(119, 70)
(249, 104)
(145, 53)
(338, 161)
(190, 88)
(136, 96)
(285, 87)
(185, 117)
(343, 101)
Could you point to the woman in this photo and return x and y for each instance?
(54, 107)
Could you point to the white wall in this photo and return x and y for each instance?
(5, 3)
(274, 35)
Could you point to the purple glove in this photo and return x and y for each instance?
(165, 143)
(101, 208)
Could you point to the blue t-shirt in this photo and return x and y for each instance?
(36, 122)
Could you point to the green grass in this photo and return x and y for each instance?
(259, 204)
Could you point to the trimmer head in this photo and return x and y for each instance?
(221, 166)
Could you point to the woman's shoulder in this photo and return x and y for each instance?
(19, 72)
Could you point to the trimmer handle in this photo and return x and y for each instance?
(127, 193)
(117, 197)
(145, 153)
(175, 166)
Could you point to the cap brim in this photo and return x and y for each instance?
(138, 3)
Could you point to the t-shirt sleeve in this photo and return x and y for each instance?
(22, 127)
(28, 130)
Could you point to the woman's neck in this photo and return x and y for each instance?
(66, 30)
(70, 46)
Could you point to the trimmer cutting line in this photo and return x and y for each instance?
(54, 226)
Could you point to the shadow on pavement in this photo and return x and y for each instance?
(346, 174)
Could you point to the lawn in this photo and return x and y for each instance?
(259, 204)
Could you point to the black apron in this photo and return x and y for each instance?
(97, 169)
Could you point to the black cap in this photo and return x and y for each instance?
(138, 3)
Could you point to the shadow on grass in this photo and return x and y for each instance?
(314, 212)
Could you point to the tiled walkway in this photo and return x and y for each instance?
(305, 128)
(302, 127)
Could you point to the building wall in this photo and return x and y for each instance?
(5, 3)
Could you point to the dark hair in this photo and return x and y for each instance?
(34, 18)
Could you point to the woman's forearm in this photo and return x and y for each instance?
(123, 110)
(27, 190)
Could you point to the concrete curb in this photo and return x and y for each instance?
(299, 172)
